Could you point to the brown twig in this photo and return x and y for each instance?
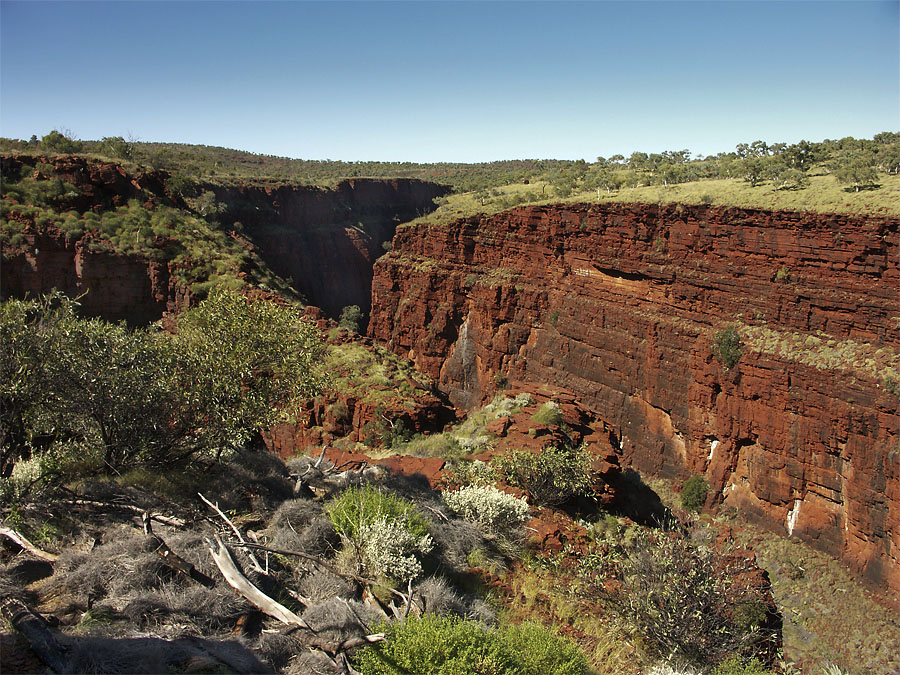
(22, 542)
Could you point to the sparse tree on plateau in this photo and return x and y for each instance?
(60, 141)
(856, 169)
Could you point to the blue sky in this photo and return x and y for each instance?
(451, 81)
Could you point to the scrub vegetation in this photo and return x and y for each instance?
(134, 470)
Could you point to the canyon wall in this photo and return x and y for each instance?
(114, 286)
(622, 304)
(326, 240)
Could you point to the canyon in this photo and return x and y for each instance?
(324, 241)
(619, 305)
(622, 304)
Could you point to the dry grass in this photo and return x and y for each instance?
(537, 595)
(820, 351)
(828, 615)
(824, 194)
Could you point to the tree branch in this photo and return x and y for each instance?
(25, 544)
(242, 585)
(237, 532)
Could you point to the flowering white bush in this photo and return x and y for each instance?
(487, 506)
(474, 445)
(389, 549)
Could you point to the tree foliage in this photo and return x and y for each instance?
(693, 494)
(726, 347)
(246, 364)
(351, 318)
(101, 393)
(69, 379)
(551, 477)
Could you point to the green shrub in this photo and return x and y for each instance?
(464, 472)
(339, 411)
(549, 414)
(726, 347)
(351, 318)
(437, 645)
(693, 494)
(357, 507)
(540, 651)
(679, 599)
(735, 665)
(551, 477)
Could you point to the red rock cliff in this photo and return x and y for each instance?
(621, 304)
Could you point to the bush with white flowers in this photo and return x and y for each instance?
(390, 549)
(488, 507)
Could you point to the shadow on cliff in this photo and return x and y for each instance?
(637, 501)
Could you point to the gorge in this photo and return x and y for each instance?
(619, 304)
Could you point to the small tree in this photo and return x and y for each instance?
(687, 604)
(726, 347)
(118, 147)
(551, 477)
(71, 379)
(351, 318)
(857, 170)
(245, 364)
(60, 141)
(693, 494)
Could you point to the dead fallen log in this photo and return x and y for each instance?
(324, 565)
(23, 543)
(242, 585)
(335, 647)
(35, 630)
(332, 648)
(172, 521)
(237, 532)
(174, 561)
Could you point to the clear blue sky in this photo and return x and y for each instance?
(451, 81)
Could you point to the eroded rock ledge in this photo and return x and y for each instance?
(621, 303)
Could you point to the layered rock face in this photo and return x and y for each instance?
(113, 286)
(622, 305)
(116, 287)
(327, 240)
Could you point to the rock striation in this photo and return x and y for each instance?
(622, 305)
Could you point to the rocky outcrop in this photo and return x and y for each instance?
(114, 286)
(99, 185)
(622, 305)
(326, 240)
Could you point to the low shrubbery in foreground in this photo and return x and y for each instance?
(448, 646)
